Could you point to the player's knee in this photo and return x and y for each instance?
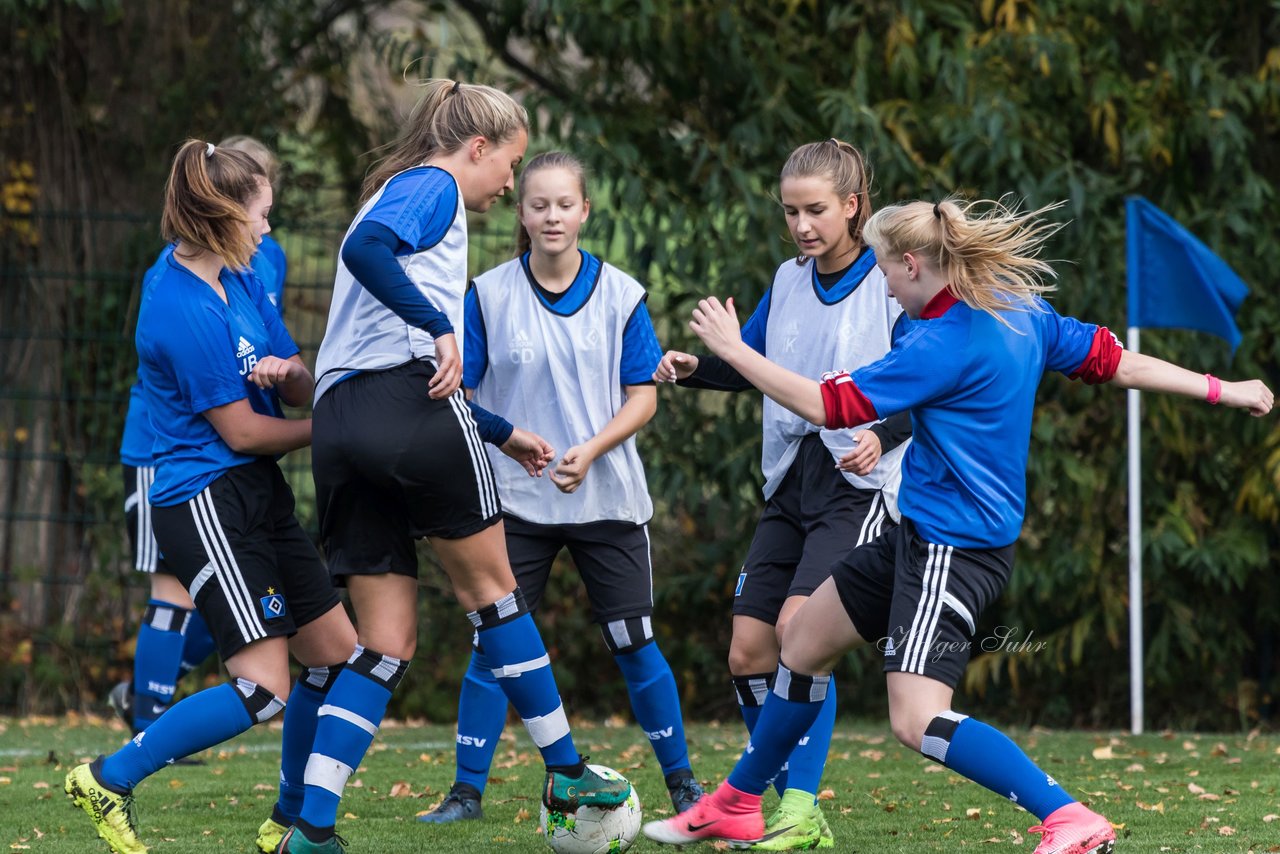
(261, 704)
(629, 635)
(909, 725)
(378, 667)
(745, 659)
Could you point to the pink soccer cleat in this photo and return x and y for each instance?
(726, 814)
(1075, 829)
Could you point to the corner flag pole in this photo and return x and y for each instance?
(1136, 693)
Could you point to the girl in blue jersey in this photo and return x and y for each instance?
(173, 639)
(561, 341)
(397, 454)
(825, 490)
(215, 363)
(966, 366)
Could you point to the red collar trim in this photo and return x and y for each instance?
(938, 306)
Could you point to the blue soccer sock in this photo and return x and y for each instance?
(656, 703)
(987, 757)
(347, 723)
(156, 661)
(805, 765)
(301, 717)
(197, 644)
(198, 722)
(482, 713)
(752, 690)
(513, 645)
(789, 712)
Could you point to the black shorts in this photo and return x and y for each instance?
(137, 519)
(809, 524)
(243, 557)
(391, 465)
(918, 602)
(612, 558)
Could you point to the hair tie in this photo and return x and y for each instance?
(937, 210)
(208, 149)
(457, 84)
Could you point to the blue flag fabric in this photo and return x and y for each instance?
(1175, 281)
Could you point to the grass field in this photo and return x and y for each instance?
(1167, 792)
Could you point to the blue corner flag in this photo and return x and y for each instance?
(1175, 280)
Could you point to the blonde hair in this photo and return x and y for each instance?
(546, 160)
(205, 198)
(841, 164)
(258, 150)
(444, 119)
(985, 250)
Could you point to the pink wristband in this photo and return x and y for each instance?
(1215, 389)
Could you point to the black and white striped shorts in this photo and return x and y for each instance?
(137, 518)
(240, 552)
(919, 602)
(392, 465)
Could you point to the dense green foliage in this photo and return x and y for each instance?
(685, 111)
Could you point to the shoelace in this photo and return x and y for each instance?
(130, 808)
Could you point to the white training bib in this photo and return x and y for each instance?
(364, 335)
(810, 336)
(560, 377)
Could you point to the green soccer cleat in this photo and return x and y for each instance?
(562, 793)
(112, 812)
(293, 842)
(271, 832)
(796, 825)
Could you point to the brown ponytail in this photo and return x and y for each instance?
(205, 198)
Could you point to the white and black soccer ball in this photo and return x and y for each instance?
(591, 830)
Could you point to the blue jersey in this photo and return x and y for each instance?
(970, 383)
(270, 266)
(195, 353)
(136, 445)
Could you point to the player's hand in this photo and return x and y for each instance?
(448, 368)
(272, 371)
(1252, 395)
(717, 325)
(865, 454)
(529, 450)
(675, 366)
(572, 469)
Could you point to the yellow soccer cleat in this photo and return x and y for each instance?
(270, 834)
(112, 813)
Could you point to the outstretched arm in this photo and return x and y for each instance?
(716, 324)
(1147, 373)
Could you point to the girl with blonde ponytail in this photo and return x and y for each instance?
(215, 363)
(398, 452)
(966, 367)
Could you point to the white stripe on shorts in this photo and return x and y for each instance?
(485, 484)
(144, 534)
(874, 520)
(932, 587)
(230, 579)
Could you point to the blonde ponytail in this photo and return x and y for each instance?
(985, 250)
(205, 198)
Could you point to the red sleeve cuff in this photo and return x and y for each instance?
(1103, 359)
(844, 402)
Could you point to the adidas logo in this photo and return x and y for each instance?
(244, 348)
(889, 648)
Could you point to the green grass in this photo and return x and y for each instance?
(1167, 792)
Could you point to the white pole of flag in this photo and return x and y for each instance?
(1136, 693)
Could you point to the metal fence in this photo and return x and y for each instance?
(69, 292)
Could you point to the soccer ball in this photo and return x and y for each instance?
(592, 830)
